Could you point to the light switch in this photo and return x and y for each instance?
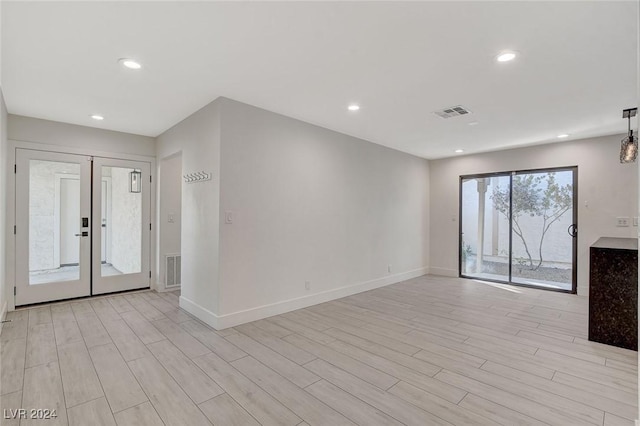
(172, 218)
(228, 217)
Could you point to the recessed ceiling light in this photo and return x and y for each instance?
(459, 151)
(563, 135)
(97, 117)
(506, 56)
(353, 107)
(473, 123)
(130, 63)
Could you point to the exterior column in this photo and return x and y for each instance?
(482, 190)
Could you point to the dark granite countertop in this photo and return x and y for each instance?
(616, 243)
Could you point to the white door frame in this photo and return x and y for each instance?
(107, 180)
(56, 212)
(11, 219)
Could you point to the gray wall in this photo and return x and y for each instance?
(311, 204)
(198, 138)
(308, 204)
(606, 189)
(28, 129)
(170, 178)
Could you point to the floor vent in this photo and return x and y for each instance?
(172, 275)
(454, 111)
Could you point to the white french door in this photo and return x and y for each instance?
(124, 224)
(82, 226)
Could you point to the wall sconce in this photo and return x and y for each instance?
(629, 146)
(135, 181)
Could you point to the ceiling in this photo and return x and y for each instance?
(576, 71)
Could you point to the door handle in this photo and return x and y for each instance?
(572, 230)
(82, 234)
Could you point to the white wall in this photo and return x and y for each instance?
(44, 213)
(310, 204)
(4, 288)
(606, 189)
(170, 177)
(27, 132)
(198, 138)
(28, 129)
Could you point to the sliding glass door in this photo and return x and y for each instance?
(520, 227)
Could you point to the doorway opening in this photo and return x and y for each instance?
(82, 225)
(520, 228)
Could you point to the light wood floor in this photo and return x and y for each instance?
(429, 351)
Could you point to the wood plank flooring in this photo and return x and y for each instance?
(428, 351)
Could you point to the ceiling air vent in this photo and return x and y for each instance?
(452, 112)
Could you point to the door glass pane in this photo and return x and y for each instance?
(542, 212)
(485, 228)
(121, 222)
(54, 221)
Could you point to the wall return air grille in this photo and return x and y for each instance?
(172, 270)
(454, 111)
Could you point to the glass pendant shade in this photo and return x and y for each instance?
(629, 149)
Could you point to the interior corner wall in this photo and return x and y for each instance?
(606, 190)
(198, 139)
(310, 205)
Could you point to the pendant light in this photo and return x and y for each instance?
(629, 146)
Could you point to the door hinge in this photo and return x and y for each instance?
(14, 230)
(150, 179)
(14, 290)
(149, 227)
(15, 168)
(149, 274)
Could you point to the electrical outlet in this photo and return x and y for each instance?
(635, 221)
(172, 218)
(622, 221)
(307, 285)
(228, 217)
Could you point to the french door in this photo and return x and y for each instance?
(82, 226)
(520, 228)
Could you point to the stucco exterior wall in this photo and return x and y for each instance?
(43, 217)
(126, 223)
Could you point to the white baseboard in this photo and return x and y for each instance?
(199, 312)
(445, 272)
(220, 322)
